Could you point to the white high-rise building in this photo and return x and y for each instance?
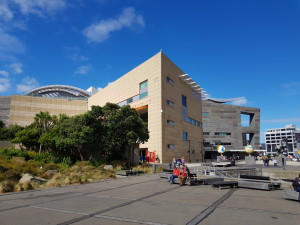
(286, 138)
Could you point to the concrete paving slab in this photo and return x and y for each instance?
(113, 221)
(249, 217)
(182, 197)
(266, 202)
(36, 197)
(84, 204)
(31, 216)
(157, 212)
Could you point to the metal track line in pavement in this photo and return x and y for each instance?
(210, 209)
(68, 197)
(115, 207)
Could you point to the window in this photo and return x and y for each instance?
(183, 100)
(170, 122)
(222, 133)
(170, 103)
(205, 133)
(205, 114)
(144, 89)
(129, 100)
(184, 136)
(170, 81)
(171, 146)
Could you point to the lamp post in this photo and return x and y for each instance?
(189, 151)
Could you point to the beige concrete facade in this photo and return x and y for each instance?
(24, 108)
(164, 86)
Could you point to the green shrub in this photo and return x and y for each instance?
(12, 175)
(51, 166)
(7, 186)
(97, 162)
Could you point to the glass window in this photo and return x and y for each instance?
(129, 100)
(205, 133)
(171, 146)
(183, 99)
(170, 122)
(184, 136)
(170, 81)
(205, 114)
(144, 89)
(170, 103)
(144, 85)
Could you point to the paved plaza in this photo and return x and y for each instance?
(146, 199)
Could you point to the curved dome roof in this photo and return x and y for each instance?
(59, 91)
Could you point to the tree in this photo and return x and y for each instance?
(27, 137)
(69, 138)
(124, 131)
(44, 122)
(2, 124)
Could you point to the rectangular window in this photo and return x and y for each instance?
(183, 99)
(143, 89)
(170, 122)
(205, 133)
(170, 103)
(171, 146)
(170, 81)
(205, 114)
(222, 133)
(184, 136)
(129, 100)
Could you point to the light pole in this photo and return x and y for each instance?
(189, 151)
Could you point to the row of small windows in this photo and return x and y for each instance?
(143, 92)
(222, 133)
(218, 133)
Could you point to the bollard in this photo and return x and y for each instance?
(154, 168)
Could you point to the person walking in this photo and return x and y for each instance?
(296, 186)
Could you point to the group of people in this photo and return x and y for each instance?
(180, 170)
(177, 162)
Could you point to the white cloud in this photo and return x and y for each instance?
(10, 45)
(5, 12)
(291, 89)
(28, 83)
(40, 7)
(101, 31)
(241, 101)
(282, 120)
(74, 54)
(16, 67)
(83, 69)
(4, 84)
(4, 73)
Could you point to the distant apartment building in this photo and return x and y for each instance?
(231, 126)
(169, 100)
(287, 138)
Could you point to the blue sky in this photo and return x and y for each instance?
(231, 48)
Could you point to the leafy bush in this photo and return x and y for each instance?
(51, 166)
(7, 186)
(10, 153)
(12, 175)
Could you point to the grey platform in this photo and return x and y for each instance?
(290, 194)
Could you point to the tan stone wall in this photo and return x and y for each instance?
(155, 70)
(24, 108)
(173, 134)
(128, 86)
